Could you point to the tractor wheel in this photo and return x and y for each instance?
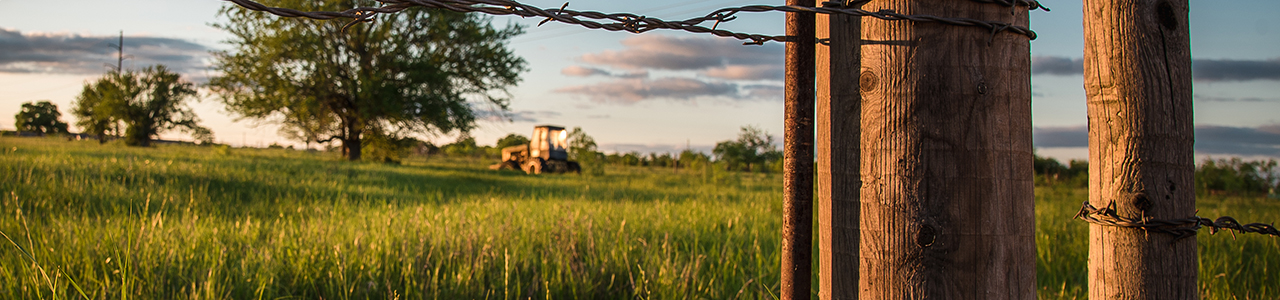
(534, 166)
(510, 165)
(556, 166)
(575, 167)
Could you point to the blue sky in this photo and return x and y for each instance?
(657, 91)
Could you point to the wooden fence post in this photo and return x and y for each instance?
(1137, 70)
(797, 152)
(947, 194)
(839, 112)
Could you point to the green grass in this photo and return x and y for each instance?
(204, 222)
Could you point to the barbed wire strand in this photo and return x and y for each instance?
(637, 23)
(1180, 228)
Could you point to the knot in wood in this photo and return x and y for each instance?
(1141, 202)
(1164, 12)
(867, 81)
(926, 236)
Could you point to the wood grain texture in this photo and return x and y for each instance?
(797, 153)
(838, 118)
(1137, 70)
(947, 195)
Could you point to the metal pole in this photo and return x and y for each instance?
(797, 180)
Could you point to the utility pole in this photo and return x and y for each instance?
(797, 153)
(1137, 76)
(947, 193)
(839, 109)
(120, 54)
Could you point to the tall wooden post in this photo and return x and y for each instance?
(1137, 70)
(839, 117)
(797, 151)
(947, 193)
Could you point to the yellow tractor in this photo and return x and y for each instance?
(546, 152)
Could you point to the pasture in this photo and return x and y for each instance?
(189, 222)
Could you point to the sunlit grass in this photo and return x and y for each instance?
(203, 222)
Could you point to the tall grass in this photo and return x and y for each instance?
(203, 222)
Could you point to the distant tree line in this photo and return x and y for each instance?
(1231, 176)
(1049, 171)
(1236, 176)
(753, 151)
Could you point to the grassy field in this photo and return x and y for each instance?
(111, 222)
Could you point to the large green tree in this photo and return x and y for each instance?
(41, 117)
(147, 102)
(411, 72)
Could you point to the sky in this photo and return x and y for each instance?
(660, 91)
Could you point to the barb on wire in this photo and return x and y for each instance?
(631, 22)
(1180, 228)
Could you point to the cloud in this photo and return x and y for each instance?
(514, 116)
(722, 61)
(1202, 69)
(1055, 65)
(1241, 141)
(580, 71)
(685, 53)
(1236, 70)
(76, 54)
(1059, 137)
(629, 91)
(765, 92)
(746, 72)
(1210, 139)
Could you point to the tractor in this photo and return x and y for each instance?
(546, 152)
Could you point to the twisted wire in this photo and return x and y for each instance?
(1180, 228)
(637, 23)
(1030, 4)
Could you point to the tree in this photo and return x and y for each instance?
(582, 148)
(93, 113)
(464, 146)
(409, 72)
(511, 140)
(752, 147)
(42, 117)
(148, 103)
(693, 160)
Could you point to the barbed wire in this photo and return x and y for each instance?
(1030, 4)
(1180, 228)
(637, 23)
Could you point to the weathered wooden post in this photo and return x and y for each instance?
(947, 194)
(839, 117)
(797, 152)
(1137, 70)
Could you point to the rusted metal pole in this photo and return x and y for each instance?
(1137, 66)
(797, 162)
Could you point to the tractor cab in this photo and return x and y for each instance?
(549, 143)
